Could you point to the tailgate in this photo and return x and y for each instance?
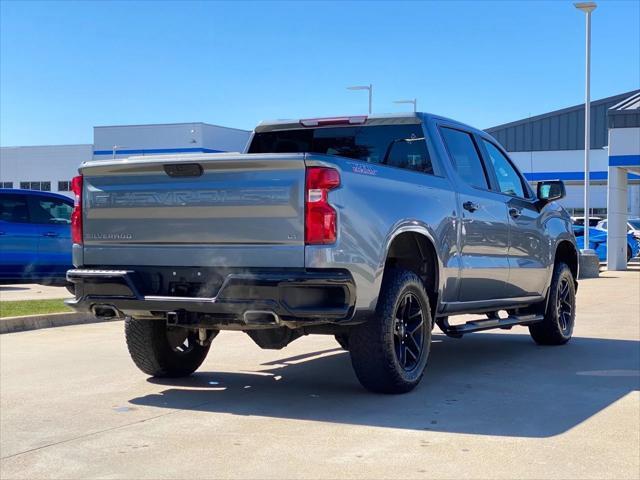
(229, 210)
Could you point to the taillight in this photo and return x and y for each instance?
(76, 215)
(320, 219)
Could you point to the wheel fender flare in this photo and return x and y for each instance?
(409, 226)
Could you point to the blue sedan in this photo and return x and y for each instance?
(35, 236)
(598, 242)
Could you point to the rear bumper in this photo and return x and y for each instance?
(295, 296)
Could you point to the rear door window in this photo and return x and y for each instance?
(465, 157)
(401, 146)
(13, 208)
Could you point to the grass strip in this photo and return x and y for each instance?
(19, 308)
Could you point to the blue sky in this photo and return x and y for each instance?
(65, 67)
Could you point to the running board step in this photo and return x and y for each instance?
(458, 331)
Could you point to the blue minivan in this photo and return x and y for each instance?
(35, 237)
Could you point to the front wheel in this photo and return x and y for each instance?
(560, 315)
(389, 352)
(162, 351)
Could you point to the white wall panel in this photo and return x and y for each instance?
(52, 163)
(624, 141)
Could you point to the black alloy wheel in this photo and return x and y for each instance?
(408, 333)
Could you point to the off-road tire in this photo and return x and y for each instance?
(152, 352)
(372, 347)
(550, 331)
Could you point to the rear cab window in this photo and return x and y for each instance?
(400, 146)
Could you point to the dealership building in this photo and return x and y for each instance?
(51, 167)
(551, 146)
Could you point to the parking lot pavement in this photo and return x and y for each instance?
(491, 405)
(32, 291)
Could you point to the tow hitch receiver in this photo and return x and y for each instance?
(176, 318)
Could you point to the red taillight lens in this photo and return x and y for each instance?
(76, 215)
(320, 220)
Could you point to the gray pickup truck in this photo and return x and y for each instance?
(371, 229)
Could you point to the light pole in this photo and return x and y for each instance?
(587, 8)
(115, 150)
(414, 102)
(364, 87)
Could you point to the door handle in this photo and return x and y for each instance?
(470, 206)
(50, 234)
(515, 212)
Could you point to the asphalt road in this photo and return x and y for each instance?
(32, 291)
(492, 405)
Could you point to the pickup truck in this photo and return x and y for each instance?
(371, 229)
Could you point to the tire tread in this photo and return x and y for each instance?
(372, 359)
(150, 351)
(548, 332)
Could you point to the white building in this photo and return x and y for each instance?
(51, 167)
(551, 146)
(42, 167)
(624, 163)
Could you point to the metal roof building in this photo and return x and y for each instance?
(564, 129)
(626, 114)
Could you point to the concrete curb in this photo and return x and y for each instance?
(49, 320)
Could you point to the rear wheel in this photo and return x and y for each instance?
(559, 318)
(162, 351)
(389, 353)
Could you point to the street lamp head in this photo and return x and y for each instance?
(414, 102)
(364, 87)
(586, 7)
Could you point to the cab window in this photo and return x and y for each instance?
(509, 182)
(50, 210)
(464, 157)
(13, 208)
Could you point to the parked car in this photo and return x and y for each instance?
(598, 242)
(35, 237)
(593, 221)
(368, 229)
(633, 226)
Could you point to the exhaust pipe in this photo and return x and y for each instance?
(260, 317)
(105, 312)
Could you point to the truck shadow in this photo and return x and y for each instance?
(487, 384)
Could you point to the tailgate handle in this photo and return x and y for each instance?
(183, 169)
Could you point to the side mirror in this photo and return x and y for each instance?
(550, 190)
